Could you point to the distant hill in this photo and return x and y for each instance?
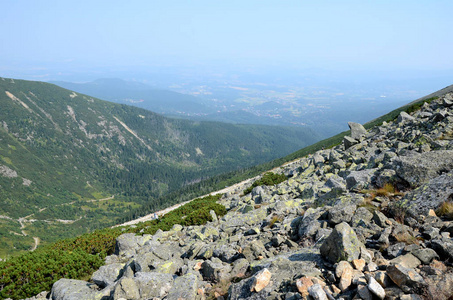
(63, 155)
(140, 95)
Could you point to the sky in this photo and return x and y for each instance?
(386, 35)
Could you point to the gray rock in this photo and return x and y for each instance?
(152, 284)
(107, 275)
(215, 270)
(359, 179)
(317, 292)
(318, 160)
(428, 196)
(395, 250)
(404, 117)
(362, 217)
(426, 256)
(376, 288)
(126, 244)
(309, 224)
(407, 260)
(443, 247)
(240, 267)
(126, 288)
(380, 219)
(348, 142)
(341, 213)
(419, 168)
(342, 244)
(71, 289)
(357, 130)
(185, 287)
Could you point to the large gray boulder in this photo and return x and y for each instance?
(357, 130)
(71, 289)
(359, 179)
(342, 244)
(126, 288)
(428, 196)
(152, 284)
(185, 287)
(107, 275)
(215, 270)
(341, 213)
(128, 243)
(309, 224)
(404, 117)
(419, 168)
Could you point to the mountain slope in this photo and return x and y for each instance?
(62, 153)
(377, 207)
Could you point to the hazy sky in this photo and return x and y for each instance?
(384, 34)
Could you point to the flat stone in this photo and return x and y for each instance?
(303, 284)
(375, 288)
(261, 280)
(402, 276)
(408, 261)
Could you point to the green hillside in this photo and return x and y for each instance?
(70, 163)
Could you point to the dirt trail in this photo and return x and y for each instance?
(169, 209)
(37, 240)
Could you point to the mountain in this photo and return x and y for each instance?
(71, 163)
(140, 95)
(367, 218)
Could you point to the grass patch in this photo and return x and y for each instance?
(268, 179)
(445, 210)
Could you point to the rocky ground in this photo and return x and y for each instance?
(357, 221)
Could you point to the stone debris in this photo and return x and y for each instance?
(358, 221)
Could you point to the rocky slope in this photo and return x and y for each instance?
(357, 221)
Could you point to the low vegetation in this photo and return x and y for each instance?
(446, 210)
(30, 273)
(268, 179)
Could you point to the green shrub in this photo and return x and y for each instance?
(268, 179)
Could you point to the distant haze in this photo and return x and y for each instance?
(51, 40)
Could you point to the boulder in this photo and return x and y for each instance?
(428, 196)
(341, 213)
(349, 142)
(342, 244)
(152, 284)
(359, 179)
(185, 287)
(357, 130)
(107, 275)
(71, 289)
(406, 277)
(128, 243)
(215, 270)
(419, 168)
(309, 224)
(404, 117)
(126, 288)
(317, 292)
